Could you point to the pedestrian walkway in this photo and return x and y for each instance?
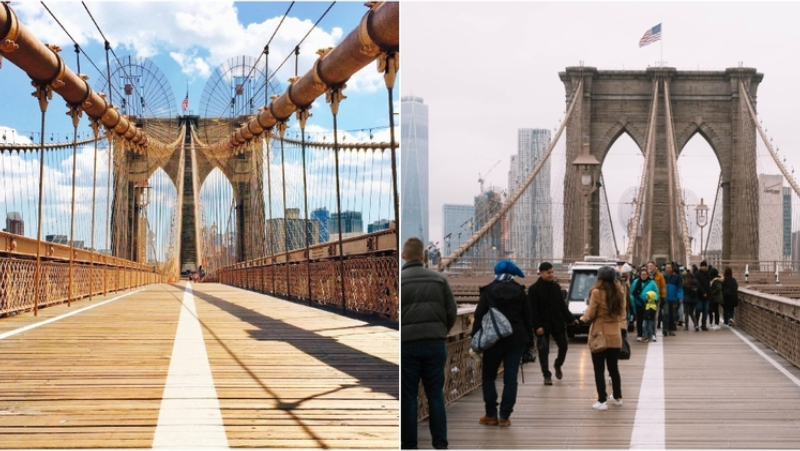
(720, 389)
(197, 366)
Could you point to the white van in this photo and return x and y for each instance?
(582, 277)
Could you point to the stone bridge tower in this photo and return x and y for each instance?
(704, 102)
(188, 165)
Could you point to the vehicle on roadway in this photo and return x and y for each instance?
(582, 277)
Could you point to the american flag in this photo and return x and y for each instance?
(185, 103)
(652, 35)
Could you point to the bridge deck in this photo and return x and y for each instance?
(224, 367)
(718, 392)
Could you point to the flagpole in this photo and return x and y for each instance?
(661, 44)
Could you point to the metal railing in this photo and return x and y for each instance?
(369, 264)
(92, 274)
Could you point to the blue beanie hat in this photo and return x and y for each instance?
(508, 267)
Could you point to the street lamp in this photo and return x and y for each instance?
(587, 166)
(701, 216)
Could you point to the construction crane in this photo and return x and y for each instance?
(482, 178)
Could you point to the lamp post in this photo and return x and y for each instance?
(701, 216)
(587, 166)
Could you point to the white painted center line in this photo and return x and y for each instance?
(190, 416)
(60, 317)
(769, 359)
(649, 425)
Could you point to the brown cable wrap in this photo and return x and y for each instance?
(42, 65)
(379, 31)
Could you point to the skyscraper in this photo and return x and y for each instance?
(531, 223)
(14, 223)
(322, 215)
(770, 219)
(414, 169)
(458, 225)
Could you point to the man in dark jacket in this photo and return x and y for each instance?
(704, 282)
(427, 313)
(550, 316)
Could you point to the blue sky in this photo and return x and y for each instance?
(187, 42)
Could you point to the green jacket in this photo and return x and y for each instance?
(427, 307)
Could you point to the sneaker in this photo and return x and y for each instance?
(600, 406)
(646, 340)
(697, 328)
(638, 338)
(725, 325)
(548, 381)
(705, 328)
(616, 402)
(671, 333)
(489, 421)
(559, 374)
(654, 339)
(504, 423)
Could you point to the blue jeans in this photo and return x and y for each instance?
(702, 308)
(510, 357)
(649, 328)
(423, 362)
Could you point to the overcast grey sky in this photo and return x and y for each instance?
(488, 69)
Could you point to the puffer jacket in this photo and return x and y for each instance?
(715, 291)
(427, 307)
(508, 297)
(661, 283)
(638, 301)
(674, 284)
(730, 292)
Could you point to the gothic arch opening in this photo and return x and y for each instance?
(622, 170)
(218, 223)
(699, 170)
(162, 201)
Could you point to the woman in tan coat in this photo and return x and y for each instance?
(606, 313)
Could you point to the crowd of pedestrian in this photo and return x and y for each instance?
(621, 300)
(686, 297)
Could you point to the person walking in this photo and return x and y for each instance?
(638, 297)
(507, 296)
(674, 296)
(606, 313)
(714, 298)
(704, 284)
(658, 278)
(730, 296)
(427, 313)
(690, 292)
(550, 316)
(649, 322)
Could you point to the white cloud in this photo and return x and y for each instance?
(191, 65)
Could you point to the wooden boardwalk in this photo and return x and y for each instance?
(285, 375)
(718, 392)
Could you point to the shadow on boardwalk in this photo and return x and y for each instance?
(371, 372)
